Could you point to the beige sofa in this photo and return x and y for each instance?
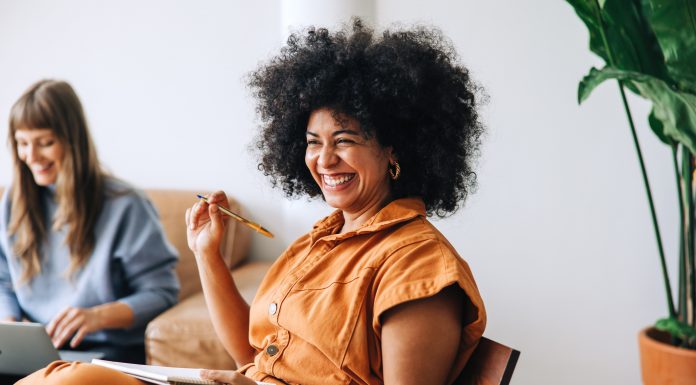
(183, 336)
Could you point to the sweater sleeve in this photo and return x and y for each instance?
(147, 262)
(9, 306)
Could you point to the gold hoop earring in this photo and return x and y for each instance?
(397, 170)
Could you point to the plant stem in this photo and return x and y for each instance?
(686, 263)
(648, 191)
(668, 287)
(690, 279)
(681, 301)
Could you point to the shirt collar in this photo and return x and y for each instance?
(397, 211)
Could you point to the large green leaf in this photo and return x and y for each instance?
(630, 38)
(658, 128)
(674, 25)
(675, 110)
(586, 11)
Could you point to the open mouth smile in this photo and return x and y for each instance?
(337, 180)
(42, 169)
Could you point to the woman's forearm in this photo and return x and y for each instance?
(228, 310)
(113, 315)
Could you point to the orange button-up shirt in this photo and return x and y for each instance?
(316, 316)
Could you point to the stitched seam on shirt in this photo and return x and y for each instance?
(392, 250)
(448, 266)
(362, 295)
(337, 282)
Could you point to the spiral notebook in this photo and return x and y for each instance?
(160, 375)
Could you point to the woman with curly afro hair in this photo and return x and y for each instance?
(385, 129)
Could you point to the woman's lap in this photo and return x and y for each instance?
(77, 373)
(132, 354)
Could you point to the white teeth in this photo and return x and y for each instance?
(335, 181)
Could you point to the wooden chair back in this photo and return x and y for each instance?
(491, 363)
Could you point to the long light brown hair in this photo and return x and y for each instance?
(79, 188)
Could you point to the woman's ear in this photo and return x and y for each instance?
(391, 154)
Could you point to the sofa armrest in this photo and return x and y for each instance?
(183, 336)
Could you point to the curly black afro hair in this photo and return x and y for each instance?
(404, 87)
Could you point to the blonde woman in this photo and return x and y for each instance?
(80, 252)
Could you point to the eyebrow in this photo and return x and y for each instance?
(335, 133)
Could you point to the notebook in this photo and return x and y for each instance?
(160, 375)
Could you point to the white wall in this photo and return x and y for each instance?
(558, 234)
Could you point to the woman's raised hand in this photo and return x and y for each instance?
(205, 225)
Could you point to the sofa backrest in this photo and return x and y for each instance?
(171, 206)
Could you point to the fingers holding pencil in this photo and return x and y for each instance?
(208, 204)
(214, 199)
(204, 225)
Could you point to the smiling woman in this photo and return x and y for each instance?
(383, 127)
(80, 251)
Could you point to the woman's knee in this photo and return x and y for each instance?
(77, 373)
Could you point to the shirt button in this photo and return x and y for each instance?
(272, 308)
(272, 350)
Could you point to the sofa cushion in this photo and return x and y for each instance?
(171, 206)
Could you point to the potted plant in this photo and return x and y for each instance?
(649, 47)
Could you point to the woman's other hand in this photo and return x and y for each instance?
(230, 377)
(205, 226)
(78, 322)
(72, 321)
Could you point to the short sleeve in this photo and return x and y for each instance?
(420, 270)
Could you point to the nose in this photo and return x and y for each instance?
(327, 157)
(32, 154)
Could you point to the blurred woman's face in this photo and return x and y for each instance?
(42, 152)
(350, 169)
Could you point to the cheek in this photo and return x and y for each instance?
(310, 160)
(54, 153)
(57, 156)
(22, 155)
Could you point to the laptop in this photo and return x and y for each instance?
(26, 347)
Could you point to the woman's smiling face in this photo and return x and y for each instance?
(42, 152)
(349, 167)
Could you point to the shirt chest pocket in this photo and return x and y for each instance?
(325, 315)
